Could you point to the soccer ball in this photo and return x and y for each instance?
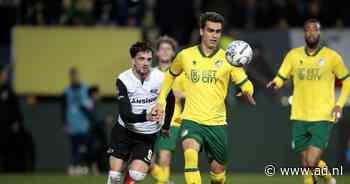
(239, 53)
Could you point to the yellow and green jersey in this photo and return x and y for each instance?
(206, 84)
(313, 82)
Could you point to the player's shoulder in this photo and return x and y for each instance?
(330, 51)
(125, 75)
(188, 50)
(296, 50)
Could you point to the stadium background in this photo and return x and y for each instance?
(41, 40)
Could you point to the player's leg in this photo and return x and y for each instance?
(164, 149)
(119, 152)
(328, 178)
(300, 143)
(217, 173)
(216, 146)
(137, 171)
(191, 143)
(320, 132)
(116, 167)
(161, 170)
(141, 158)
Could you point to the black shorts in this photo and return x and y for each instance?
(128, 145)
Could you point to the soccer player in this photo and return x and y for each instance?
(165, 147)
(134, 135)
(76, 103)
(313, 69)
(204, 117)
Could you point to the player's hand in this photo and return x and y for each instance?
(338, 112)
(157, 112)
(247, 96)
(151, 117)
(272, 85)
(165, 133)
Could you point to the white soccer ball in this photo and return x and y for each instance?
(239, 53)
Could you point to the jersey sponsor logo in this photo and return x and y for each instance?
(204, 76)
(142, 100)
(310, 74)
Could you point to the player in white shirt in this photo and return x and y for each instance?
(134, 135)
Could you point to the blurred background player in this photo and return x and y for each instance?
(314, 68)
(16, 143)
(76, 103)
(134, 134)
(204, 118)
(165, 147)
(97, 138)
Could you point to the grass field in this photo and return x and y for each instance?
(178, 179)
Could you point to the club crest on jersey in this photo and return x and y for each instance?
(322, 61)
(195, 76)
(218, 63)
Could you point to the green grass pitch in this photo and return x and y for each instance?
(177, 178)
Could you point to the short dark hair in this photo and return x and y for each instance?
(140, 47)
(73, 71)
(168, 40)
(210, 16)
(312, 20)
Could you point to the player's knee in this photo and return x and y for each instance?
(311, 162)
(218, 178)
(114, 177)
(137, 175)
(164, 161)
(215, 167)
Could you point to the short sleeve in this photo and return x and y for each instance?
(176, 66)
(340, 69)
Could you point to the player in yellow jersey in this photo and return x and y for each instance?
(313, 69)
(165, 50)
(208, 75)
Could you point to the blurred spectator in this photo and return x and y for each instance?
(106, 12)
(131, 12)
(348, 152)
(76, 103)
(98, 139)
(78, 12)
(176, 19)
(16, 144)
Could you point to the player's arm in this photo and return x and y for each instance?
(124, 105)
(241, 80)
(283, 73)
(341, 73)
(174, 71)
(169, 112)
